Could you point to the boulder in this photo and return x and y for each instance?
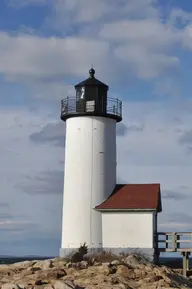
(10, 286)
(112, 268)
(136, 261)
(83, 265)
(44, 264)
(63, 285)
(116, 262)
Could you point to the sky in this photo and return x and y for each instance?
(143, 50)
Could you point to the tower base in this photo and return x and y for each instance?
(66, 252)
(148, 252)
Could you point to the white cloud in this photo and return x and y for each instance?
(129, 36)
(90, 11)
(25, 57)
(146, 45)
(51, 91)
(134, 29)
(150, 32)
(21, 158)
(39, 58)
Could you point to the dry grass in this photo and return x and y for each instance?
(102, 257)
(143, 257)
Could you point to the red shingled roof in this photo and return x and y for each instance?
(134, 196)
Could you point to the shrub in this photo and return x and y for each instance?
(79, 255)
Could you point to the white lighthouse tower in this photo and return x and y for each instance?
(90, 161)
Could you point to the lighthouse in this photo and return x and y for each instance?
(90, 161)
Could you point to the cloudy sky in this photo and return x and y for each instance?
(142, 50)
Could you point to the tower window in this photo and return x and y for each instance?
(82, 95)
(90, 105)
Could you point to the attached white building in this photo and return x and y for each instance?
(129, 218)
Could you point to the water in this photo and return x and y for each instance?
(176, 263)
(14, 259)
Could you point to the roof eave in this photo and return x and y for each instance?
(125, 210)
(86, 83)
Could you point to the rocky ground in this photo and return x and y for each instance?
(129, 272)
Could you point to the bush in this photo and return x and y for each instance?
(79, 255)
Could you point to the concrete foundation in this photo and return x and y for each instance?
(148, 252)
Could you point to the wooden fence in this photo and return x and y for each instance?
(175, 242)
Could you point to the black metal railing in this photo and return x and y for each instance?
(73, 106)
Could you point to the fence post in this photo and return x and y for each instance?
(184, 264)
(188, 254)
(178, 241)
(156, 251)
(173, 241)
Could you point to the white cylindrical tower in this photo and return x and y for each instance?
(90, 162)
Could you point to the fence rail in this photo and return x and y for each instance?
(175, 242)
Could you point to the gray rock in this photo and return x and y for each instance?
(83, 265)
(23, 264)
(121, 286)
(112, 268)
(47, 264)
(21, 286)
(59, 263)
(97, 264)
(105, 264)
(69, 265)
(60, 284)
(135, 261)
(34, 269)
(39, 282)
(115, 262)
(10, 286)
(44, 264)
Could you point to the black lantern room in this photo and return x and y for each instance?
(91, 99)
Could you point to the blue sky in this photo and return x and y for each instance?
(142, 50)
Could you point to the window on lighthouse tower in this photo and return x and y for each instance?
(90, 105)
(86, 96)
(82, 95)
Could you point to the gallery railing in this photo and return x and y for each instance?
(71, 105)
